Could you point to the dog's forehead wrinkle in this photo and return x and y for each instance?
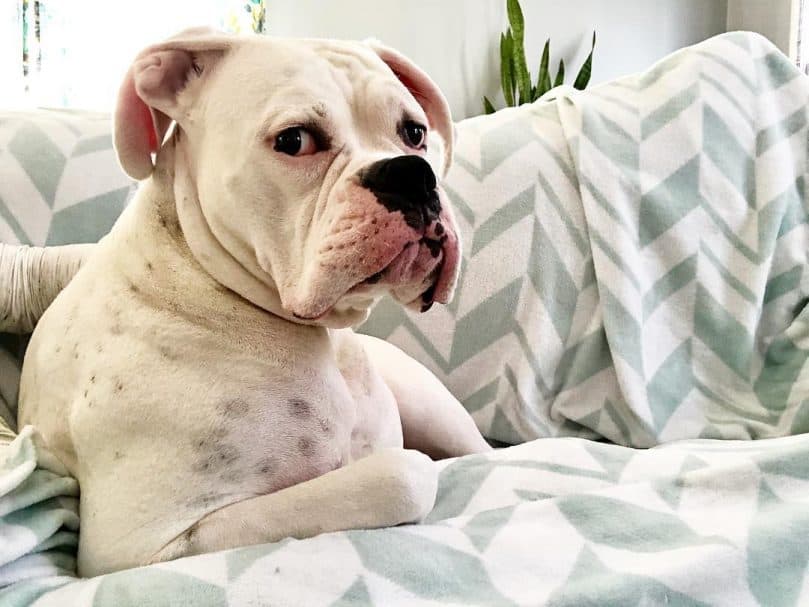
(357, 58)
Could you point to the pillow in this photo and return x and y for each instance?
(59, 178)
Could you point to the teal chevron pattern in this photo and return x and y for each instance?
(634, 257)
(633, 271)
(551, 522)
(59, 181)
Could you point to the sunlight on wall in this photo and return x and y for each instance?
(87, 45)
(10, 56)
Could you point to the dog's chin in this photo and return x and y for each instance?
(414, 292)
(410, 278)
(422, 273)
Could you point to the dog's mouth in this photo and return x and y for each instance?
(418, 276)
(420, 271)
(412, 276)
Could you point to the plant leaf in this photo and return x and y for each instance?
(583, 76)
(512, 65)
(506, 75)
(560, 74)
(487, 106)
(515, 17)
(544, 77)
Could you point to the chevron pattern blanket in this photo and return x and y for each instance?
(635, 271)
(635, 257)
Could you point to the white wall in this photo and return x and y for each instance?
(456, 41)
(771, 18)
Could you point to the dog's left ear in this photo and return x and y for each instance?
(155, 92)
(424, 90)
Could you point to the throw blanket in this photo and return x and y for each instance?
(676, 290)
(635, 257)
(39, 516)
(693, 230)
(559, 521)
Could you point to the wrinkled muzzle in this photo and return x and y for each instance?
(389, 229)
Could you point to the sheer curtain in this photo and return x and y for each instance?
(801, 34)
(73, 53)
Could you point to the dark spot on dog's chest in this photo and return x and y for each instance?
(306, 446)
(266, 465)
(299, 408)
(216, 453)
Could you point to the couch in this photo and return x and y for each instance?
(630, 326)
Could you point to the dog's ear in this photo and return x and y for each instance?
(424, 90)
(148, 99)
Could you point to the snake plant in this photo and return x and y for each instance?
(515, 79)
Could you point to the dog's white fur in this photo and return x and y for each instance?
(197, 375)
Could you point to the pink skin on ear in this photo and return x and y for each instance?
(148, 94)
(134, 131)
(147, 99)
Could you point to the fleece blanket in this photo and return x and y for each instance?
(635, 257)
(686, 215)
(561, 521)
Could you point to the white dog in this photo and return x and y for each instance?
(196, 375)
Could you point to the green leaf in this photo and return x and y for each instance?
(512, 65)
(515, 18)
(523, 78)
(544, 77)
(583, 76)
(487, 106)
(560, 74)
(506, 75)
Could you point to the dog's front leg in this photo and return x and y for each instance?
(387, 488)
(433, 421)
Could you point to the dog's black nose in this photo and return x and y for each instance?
(406, 184)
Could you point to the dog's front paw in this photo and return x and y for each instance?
(407, 483)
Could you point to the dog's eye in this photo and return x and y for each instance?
(295, 141)
(414, 134)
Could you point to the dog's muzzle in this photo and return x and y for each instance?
(406, 184)
(394, 234)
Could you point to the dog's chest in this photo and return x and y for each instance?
(267, 436)
(207, 408)
(244, 430)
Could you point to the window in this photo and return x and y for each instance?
(73, 53)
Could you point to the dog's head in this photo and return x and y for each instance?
(304, 170)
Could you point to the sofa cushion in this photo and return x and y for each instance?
(59, 179)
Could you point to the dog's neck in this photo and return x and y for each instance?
(161, 260)
(176, 208)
